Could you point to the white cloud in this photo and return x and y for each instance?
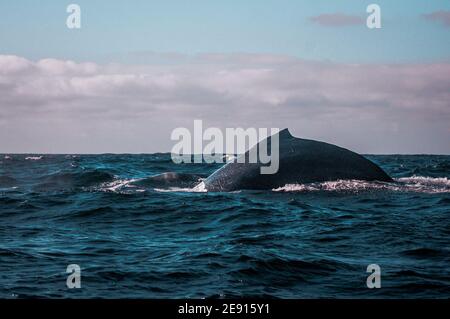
(62, 106)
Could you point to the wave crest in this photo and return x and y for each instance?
(419, 184)
(200, 188)
(33, 158)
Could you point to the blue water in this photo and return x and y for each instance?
(135, 237)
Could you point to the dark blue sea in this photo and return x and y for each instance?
(136, 236)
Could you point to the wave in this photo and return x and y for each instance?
(7, 181)
(34, 158)
(285, 272)
(425, 252)
(427, 181)
(165, 182)
(119, 186)
(419, 184)
(183, 182)
(172, 182)
(70, 180)
(170, 179)
(200, 188)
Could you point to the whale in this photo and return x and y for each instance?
(300, 161)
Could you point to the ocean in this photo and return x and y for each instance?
(135, 236)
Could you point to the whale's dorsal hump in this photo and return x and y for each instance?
(285, 134)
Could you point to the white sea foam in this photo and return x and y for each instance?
(34, 158)
(118, 185)
(419, 184)
(428, 181)
(200, 188)
(340, 185)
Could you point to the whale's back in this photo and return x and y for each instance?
(300, 161)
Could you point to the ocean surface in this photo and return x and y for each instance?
(137, 236)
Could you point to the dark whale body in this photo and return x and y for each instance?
(300, 161)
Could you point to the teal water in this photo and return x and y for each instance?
(135, 236)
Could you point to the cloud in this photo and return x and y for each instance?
(439, 16)
(67, 107)
(337, 20)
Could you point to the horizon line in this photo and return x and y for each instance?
(146, 153)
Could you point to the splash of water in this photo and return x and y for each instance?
(419, 184)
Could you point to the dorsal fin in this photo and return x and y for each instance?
(285, 134)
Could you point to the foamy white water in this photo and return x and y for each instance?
(420, 184)
(200, 188)
(34, 158)
(422, 180)
(118, 185)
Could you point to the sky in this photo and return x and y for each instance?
(136, 70)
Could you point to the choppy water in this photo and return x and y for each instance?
(137, 237)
